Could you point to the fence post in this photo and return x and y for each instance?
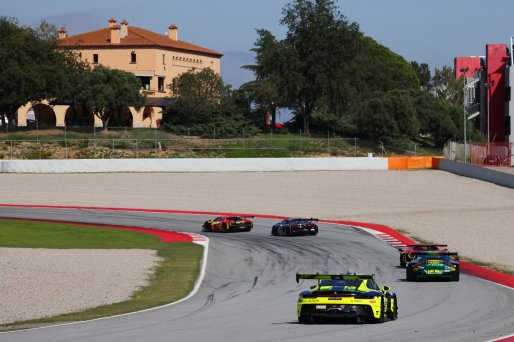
(11, 149)
(40, 148)
(155, 142)
(136, 149)
(328, 141)
(112, 151)
(94, 141)
(355, 145)
(65, 143)
(301, 142)
(243, 139)
(415, 149)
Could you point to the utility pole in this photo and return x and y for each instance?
(464, 70)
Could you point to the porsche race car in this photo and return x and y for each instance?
(426, 265)
(347, 297)
(295, 226)
(227, 224)
(407, 253)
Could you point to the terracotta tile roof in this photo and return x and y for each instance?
(136, 37)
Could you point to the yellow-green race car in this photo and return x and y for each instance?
(346, 297)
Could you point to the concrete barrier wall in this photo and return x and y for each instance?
(477, 172)
(193, 165)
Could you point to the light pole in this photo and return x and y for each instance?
(464, 70)
(488, 87)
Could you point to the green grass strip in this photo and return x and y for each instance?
(172, 280)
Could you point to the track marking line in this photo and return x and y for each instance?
(197, 238)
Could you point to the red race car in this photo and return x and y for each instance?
(407, 256)
(227, 224)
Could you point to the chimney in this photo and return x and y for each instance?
(124, 29)
(173, 32)
(115, 34)
(62, 33)
(112, 22)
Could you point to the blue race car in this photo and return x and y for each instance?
(295, 226)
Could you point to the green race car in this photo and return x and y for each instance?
(433, 265)
(345, 297)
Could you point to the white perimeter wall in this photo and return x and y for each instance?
(193, 165)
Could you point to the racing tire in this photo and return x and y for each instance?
(288, 231)
(410, 275)
(206, 228)
(392, 314)
(274, 231)
(402, 261)
(380, 319)
(225, 228)
(305, 319)
(456, 275)
(315, 232)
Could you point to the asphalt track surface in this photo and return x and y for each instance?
(249, 291)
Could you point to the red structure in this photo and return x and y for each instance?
(472, 63)
(496, 55)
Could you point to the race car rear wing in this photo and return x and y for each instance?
(333, 276)
(436, 254)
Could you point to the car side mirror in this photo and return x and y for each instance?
(386, 288)
(312, 287)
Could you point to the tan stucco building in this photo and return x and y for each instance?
(155, 58)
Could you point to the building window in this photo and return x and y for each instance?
(95, 58)
(164, 59)
(145, 82)
(160, 84)
(133, 57)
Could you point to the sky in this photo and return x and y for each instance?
(428, 31)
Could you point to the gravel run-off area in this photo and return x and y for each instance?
(39, 282)
(473, 217)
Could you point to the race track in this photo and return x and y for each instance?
(249, 290)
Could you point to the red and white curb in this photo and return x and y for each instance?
(509, 338)
(198, 239)
(391, 241)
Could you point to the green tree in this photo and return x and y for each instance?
(196, 95)
(424, 75)
(319, 44)
(389, 115)
(203, 104)
(102, 90)
(447, 87)
(439, 119)
(32, 68)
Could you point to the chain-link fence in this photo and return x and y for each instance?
(493, 154)
(96, 143)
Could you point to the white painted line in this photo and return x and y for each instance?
(198, 283)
